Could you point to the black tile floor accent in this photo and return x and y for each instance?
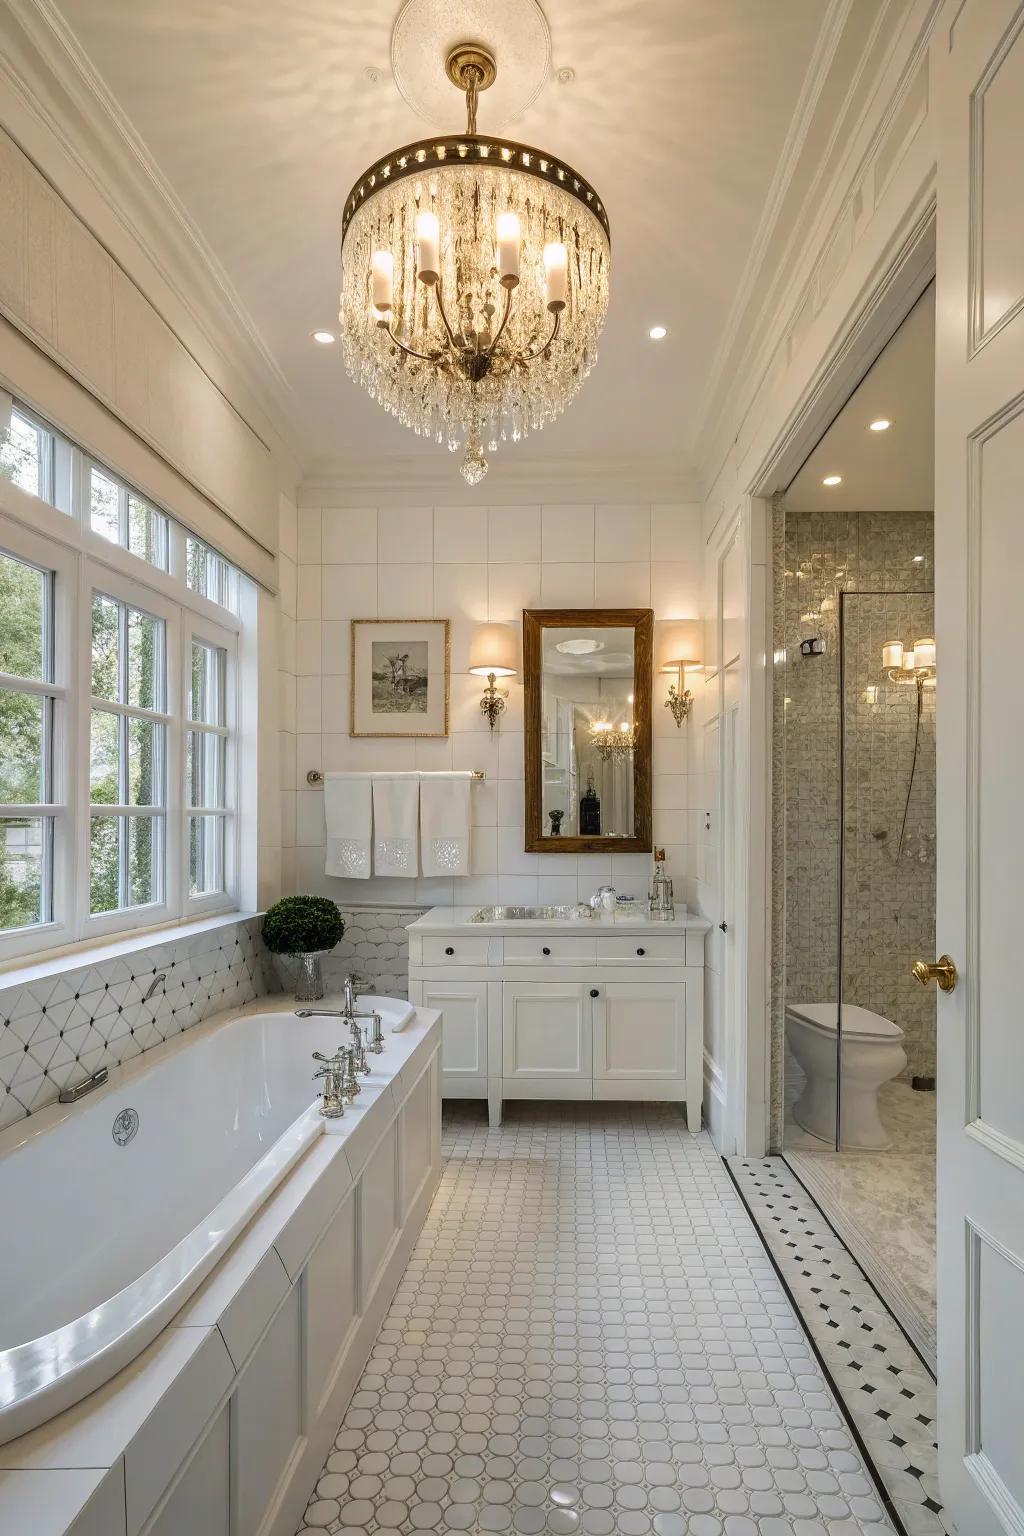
(883, 1384)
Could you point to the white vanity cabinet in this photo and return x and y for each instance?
(546, 1036)
(601, 1008)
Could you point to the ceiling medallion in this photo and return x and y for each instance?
(474, 282)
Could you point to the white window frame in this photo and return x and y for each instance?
(203, 630)
(125, 491)
(25, 545)
(61, 539)
(98, 581)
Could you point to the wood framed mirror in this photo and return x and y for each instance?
(588, 682)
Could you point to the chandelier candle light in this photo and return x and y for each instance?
(474, 282)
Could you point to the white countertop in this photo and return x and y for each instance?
(447, 920)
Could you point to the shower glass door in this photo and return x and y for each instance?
(886, 894)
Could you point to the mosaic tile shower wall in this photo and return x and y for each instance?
(58, 1030)
(890, 903)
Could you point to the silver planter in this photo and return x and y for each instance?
(309, 975)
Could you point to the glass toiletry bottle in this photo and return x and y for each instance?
(590, 812)
(661, 904)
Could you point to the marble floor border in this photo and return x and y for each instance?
(918, 1329)
(876, 1373)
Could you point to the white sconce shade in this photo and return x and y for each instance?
(892, 653)
(909, 661)
(924, 652)
(680, 644)
(493, 649)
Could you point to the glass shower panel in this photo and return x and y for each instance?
(815, 553)
(887, 871)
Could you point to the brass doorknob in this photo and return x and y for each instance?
(941, 970)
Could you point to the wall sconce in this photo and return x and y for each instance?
(493, 654)
(913, 665)
(680, 646)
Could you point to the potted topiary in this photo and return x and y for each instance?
(305, 927)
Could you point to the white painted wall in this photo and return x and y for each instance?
(472, 564)
(808, 328)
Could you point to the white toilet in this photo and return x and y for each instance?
(872, 1054)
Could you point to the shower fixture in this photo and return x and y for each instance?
(910, 665)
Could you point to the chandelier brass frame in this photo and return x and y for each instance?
(457, 335)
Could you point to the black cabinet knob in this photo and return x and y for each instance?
(641, 951)
(545, 950)
(449, 950)
(594, 992)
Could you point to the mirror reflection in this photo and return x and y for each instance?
(588, 732)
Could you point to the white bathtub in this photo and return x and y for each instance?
(115, 1209)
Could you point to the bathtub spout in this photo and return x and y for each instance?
(320, 1013)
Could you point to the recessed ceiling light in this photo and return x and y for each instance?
(658, 332)
(323, 338)
(881, 425)
(832, 480)
(919, 559)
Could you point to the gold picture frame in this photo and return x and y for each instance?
(400, 672)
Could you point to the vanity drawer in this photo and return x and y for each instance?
(455, 951)
(643, 947)
(542, 949)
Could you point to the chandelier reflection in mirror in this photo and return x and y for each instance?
(612, 742)
(474, 282)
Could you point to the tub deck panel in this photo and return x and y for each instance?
(277, 1336)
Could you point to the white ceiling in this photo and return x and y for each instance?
(891, 471)
(260, 116)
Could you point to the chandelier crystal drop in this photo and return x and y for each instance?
(474, 283)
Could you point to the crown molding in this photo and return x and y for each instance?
(828, 40)
(780, 294)
(53, 80)
(434, 480)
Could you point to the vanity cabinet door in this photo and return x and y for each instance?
(464, 1032)
(546, 1030)
(640, 1031)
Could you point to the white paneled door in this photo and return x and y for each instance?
(979, 558)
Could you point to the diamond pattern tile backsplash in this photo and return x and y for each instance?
(56, 1031)
(60, 1029)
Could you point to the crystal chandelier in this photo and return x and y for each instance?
(612, 742)
(474, 282)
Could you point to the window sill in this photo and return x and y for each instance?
(72, 956)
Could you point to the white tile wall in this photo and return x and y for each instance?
(470, 565)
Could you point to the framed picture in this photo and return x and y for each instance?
(400, 677)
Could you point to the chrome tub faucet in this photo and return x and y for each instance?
(335, 1075)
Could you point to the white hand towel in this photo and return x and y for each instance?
(396, 806)
(444, 824)
(349, 816)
